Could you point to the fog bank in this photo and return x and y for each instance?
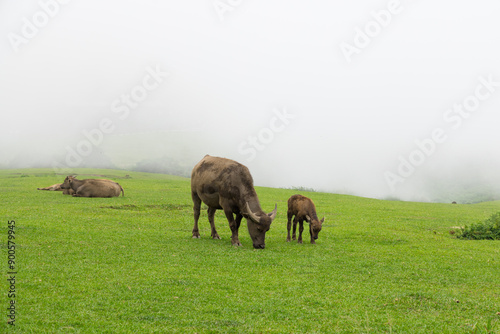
(392, 99)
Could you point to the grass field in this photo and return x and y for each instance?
(129, 264)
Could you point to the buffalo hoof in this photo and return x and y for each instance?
(299, 241)
(288, 240)
(236, 244)
(216, 237)
(196, 235)
(259, 246)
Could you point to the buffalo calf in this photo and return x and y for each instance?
(54, 187)
(57, 187)
(304, 210)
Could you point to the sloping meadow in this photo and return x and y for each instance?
(129, 264)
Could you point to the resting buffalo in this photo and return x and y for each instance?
(54, 187)
(92, 187)
(303, 209)
(57, 187)
(227, 185)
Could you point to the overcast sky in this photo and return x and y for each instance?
(373, 98)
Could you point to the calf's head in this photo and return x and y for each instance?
(258, 225)
(315, 226)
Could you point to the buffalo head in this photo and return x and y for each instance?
(315, 226)
(67, 182)
(258, 225)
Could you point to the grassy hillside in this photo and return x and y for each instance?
(129, 264)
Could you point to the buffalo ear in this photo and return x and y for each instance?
(322, 220)
(308, 218)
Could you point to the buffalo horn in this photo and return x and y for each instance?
(273, 214)
(252, 215)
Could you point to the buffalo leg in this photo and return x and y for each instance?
(294, 236)
(211, 214)
(196, 209)
(289, 226)
(311, 233)
(238, 219)
(301, 228)
(233, 225)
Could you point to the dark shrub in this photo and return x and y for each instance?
(489, 229)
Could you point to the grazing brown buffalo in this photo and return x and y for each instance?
(227, 185)
(57, 187)
(303, 209)
(92, 187)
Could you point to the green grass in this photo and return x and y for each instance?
(129, 264)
